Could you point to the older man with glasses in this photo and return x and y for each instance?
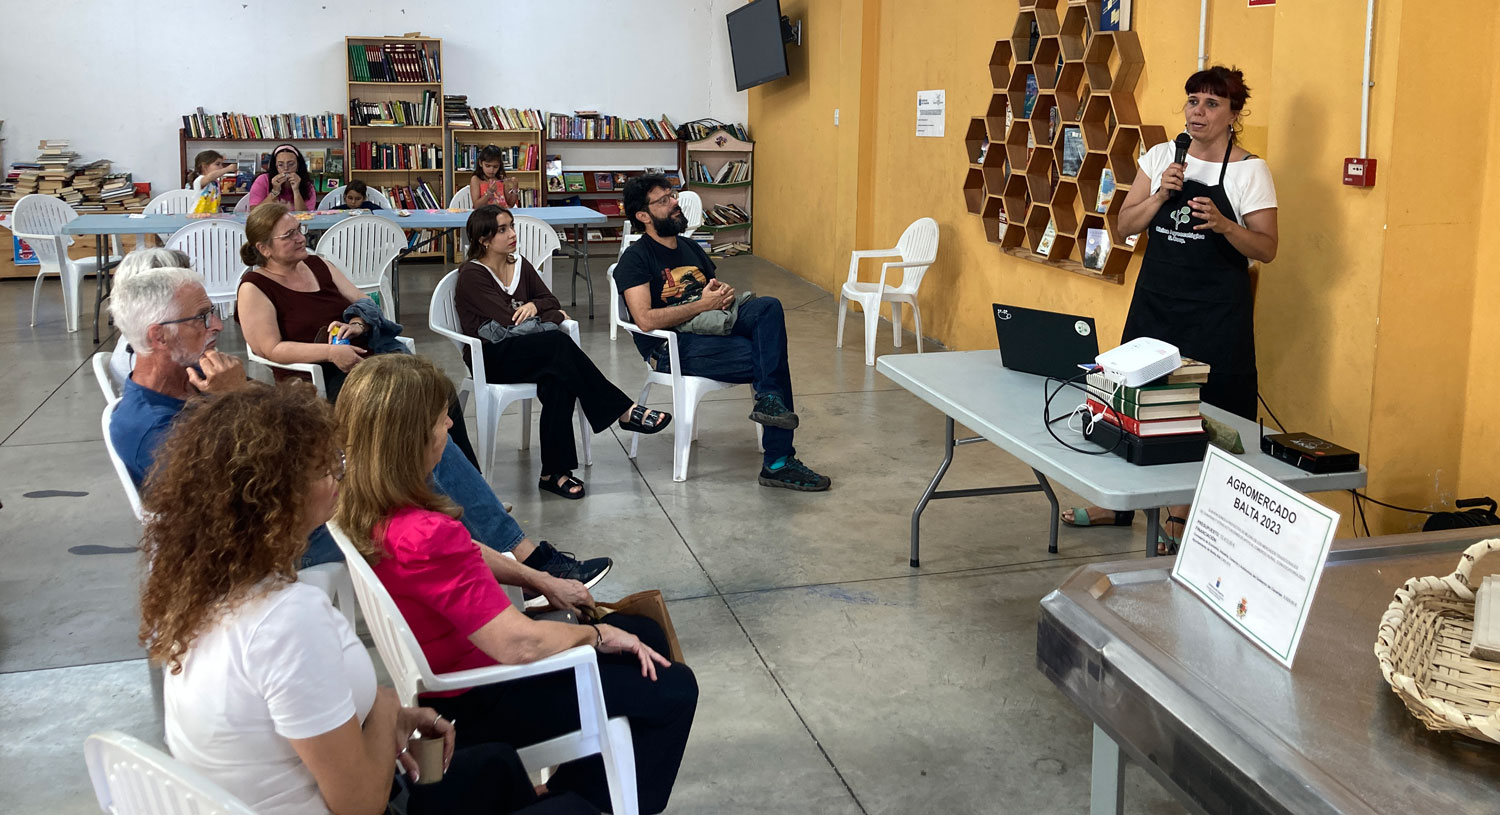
(667, 281)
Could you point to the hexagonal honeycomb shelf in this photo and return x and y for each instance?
(1061, 121)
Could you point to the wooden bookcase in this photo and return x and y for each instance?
(190, 146)
(621, 158)
(1073, 77)
(408, 135)
(713, 152)
(528, 178)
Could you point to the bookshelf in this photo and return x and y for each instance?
(396, 140)
(1061, 125)
(720, 169)
(236, 149)
(583, 160)
(520, 143)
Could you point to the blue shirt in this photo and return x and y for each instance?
(139, 425)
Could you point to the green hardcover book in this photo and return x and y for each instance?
(574, 182)
(1118, 395)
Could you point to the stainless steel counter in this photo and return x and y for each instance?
(1225, 727)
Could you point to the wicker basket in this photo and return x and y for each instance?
(1423, 648)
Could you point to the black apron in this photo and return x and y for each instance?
(1194, 292)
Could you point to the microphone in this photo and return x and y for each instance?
(1182, 142)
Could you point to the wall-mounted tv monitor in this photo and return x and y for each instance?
(756, 44)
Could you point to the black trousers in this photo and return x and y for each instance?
(490, 780)
(532, 710)
(562, 374)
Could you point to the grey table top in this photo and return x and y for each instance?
(1005, 407)
(1219, 720)
(114, 224)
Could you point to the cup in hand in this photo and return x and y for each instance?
(428, 751)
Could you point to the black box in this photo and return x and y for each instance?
(1175, 449)
(1308, 452)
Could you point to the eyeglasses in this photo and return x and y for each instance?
(671, 196)
(206, 317)
(339, 467)
(300, 230)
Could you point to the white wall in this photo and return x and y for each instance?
(115, 76)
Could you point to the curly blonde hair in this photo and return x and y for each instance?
(386, 412)
(225, 506)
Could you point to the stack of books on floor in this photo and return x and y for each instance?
(20, 182)
(1157, 423)
(730, 248)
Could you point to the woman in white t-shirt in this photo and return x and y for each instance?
(1206, 219)
(268, 691)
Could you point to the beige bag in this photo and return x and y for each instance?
(649, 604)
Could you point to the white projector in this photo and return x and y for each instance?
(1139, 361)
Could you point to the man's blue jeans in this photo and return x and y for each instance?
(754, 353)
(484, 516)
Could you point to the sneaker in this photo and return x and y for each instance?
(564, 565)
(772, 412)
(794, 475)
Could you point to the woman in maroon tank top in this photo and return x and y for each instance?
(292, 300)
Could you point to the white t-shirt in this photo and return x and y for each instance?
(199, 182)
(1247, 183)
(281, 666)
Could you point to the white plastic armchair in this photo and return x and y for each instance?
(171, 202)
(243, 205)
(131, 777)
(38, 220)
(462, 199)
(364, 249)
(917, 249)
(490, 401)
(687, 391)
(336, 197)
(692, 209)
(537, 242)
(626, 239)
(126, 482)
(311, 369)
(412, 675)
(214, 247)
(111, 368)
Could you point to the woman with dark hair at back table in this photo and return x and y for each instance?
(286, 181)
(1207, 220)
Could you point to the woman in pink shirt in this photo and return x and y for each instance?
(288, 181)
(393, 416)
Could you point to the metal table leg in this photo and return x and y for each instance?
(1153, 529)
(942, 470)
(588, 280)
(1107, 779)
(1046, 486)
(101, 257)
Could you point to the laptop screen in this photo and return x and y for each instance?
(1045, 343)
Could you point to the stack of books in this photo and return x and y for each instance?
(456, 111)
(1158, 423)
(20, 182)
(725, 215)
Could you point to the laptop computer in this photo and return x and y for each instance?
(1045, 343)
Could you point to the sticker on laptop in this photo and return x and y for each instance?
(1082, 327)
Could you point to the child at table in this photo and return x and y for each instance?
(488, 184)
(354, 197)
(210, 166)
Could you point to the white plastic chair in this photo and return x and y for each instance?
(917, 249)
(490, 401)
(626, 239)
(309, 368)
(131, 777)
(537, 242)
(111, 369)
(38, 220)
(364, 249)
(411, 675)
(171, 202)
(126, 482)
(692, 209)
(242, 206)
(687, 391)
(462, 199)
(336, 197)
(214, 247)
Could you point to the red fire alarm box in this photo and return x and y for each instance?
(1359, 172)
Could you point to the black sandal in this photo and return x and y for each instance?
(645, 420)
(1165, 543)
(568, 483)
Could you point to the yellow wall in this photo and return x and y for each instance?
(1366, 324)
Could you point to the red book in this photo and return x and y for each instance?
(1147, 429)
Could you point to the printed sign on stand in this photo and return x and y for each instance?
(1253, 550)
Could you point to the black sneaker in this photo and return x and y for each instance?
(794, 475)
(564, 565)
(772, 412)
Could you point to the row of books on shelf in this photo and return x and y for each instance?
(701, 130)
(414, 196)
(394, 62)
(590, 124)
(725, 215)
(733, 172)
(460, 115)
(369, 155)
(425, 113)
(515, 157)
(203, 125)
(1157, 423)
(560, 180)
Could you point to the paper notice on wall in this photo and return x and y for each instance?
(931, 109)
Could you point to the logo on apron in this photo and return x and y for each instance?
(1181, 216)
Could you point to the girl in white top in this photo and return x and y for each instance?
(268, 691)
(211, 166)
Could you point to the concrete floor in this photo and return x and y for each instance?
(835, 678)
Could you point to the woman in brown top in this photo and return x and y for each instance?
(291, 301)
(501, 299)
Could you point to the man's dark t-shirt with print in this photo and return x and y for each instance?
(675, 276)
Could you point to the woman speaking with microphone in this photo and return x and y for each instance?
(1207, 216)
